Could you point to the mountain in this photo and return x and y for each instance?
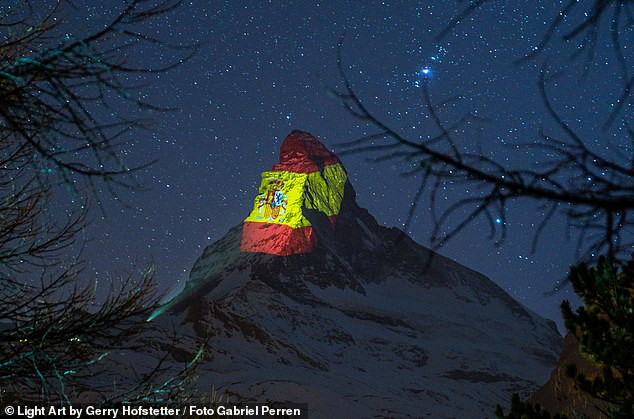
(315, 302)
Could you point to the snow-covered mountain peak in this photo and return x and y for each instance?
(351, 317)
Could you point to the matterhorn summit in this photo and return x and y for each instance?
(307, 179)
(310, 300)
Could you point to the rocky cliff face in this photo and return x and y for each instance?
(364, 323)
(562, 395)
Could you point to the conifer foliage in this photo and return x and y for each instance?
(604, 326)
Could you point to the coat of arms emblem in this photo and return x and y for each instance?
(272, 204)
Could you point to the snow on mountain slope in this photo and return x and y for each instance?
(366, 324)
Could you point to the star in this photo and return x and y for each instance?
(423, 73)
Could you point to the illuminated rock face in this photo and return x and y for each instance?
(358, 320)
(307, 178)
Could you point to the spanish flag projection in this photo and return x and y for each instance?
(308, 176)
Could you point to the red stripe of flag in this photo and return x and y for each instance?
(277, 239)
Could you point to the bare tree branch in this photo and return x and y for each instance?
(590, 190)
(594, 19)
(59, 336)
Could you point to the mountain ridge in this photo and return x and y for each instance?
(367, 321)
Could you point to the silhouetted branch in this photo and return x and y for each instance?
(57, 92)
(61, 338)
(582, 24)
(590, 190)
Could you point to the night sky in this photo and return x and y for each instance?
(261, 72)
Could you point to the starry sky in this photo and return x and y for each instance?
(262, 70)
